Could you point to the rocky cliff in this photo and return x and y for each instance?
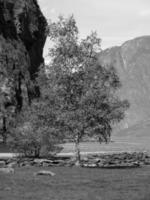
(132, 62)
(22, 38)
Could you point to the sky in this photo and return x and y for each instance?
(115, 21)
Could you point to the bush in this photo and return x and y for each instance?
(32, 135)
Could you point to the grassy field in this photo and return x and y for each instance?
(3, 148)
(85, 184)
(120, 143)
(135, 138)
(77, 184)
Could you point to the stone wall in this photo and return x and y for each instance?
(118, 160)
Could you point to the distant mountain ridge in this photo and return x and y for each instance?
(132, 62)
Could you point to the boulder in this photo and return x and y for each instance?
(42, 162)
(2, 163)
(48, 162)
(12, 164)
(90, 165)
(26, 163)
(44, 173)
(8, 170)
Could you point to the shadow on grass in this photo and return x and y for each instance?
(4, 148)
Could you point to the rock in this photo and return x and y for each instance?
(89, 165)
(25, 164)
(40, 161)
(22, 38)
(7, 188)
(43, 162)
(118, 160)
(8, 170)
(121, 166)
(146, 162)
(46, 164)
(85, 159)
(59, 162)
(44, 173)
(70, 163)
(2, 163)
(12, 164)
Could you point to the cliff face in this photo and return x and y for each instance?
(22, 38)
(132, 62)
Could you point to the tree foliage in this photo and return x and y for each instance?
(78, 96)
(35, 132)
(82, 92)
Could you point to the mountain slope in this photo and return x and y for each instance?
(132, 62)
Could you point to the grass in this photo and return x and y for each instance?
(135, 138)
(77, 184)
(85, 184)
(3, 148)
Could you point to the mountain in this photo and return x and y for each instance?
(132, 62)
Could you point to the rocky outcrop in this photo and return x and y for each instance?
(22, 38)
(132, 62)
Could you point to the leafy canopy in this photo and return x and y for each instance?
(83, 91)
(78, 96)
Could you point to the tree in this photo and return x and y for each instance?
(35, 130)
(7, 110)
(82, 92)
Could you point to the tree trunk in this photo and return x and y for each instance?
(4, 131)
(77, 152)
(37, 152)
(32, 92)
(18, 94)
